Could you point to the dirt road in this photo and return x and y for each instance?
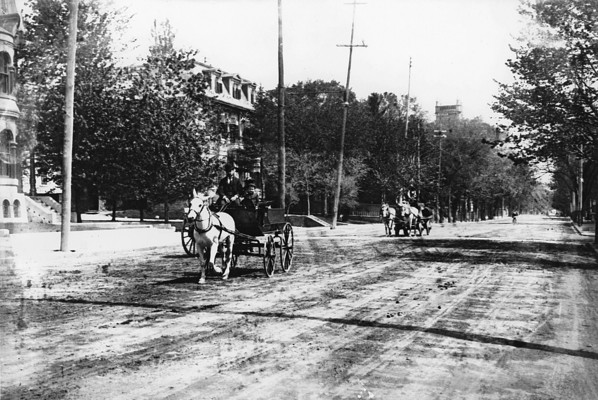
(486, 310)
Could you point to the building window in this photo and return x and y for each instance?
(5, 73)
(218, 86)
(6, 209)
(17, 209)
(236, 92)
(5, 159)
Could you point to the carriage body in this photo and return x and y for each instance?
(263, 232)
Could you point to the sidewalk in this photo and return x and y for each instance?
(43, 248)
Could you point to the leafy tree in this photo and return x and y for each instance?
(313, 112)
(553, 103)
(173, 130)
(42, 69)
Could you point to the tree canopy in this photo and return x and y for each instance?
(553, 102)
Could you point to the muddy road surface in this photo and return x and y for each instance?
(487, 310)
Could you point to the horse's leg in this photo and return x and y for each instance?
(202, 264)
(227, 257)
(410, 225)
(213, 251)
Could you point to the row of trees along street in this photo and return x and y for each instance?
(149, 133)
(553, 102)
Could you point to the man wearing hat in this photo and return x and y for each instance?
(230, 187)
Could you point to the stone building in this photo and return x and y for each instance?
(14, 203)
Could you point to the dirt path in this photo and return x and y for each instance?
(474, 311)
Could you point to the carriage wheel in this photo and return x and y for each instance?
(187, 237)
(287, 243)
(269, 256)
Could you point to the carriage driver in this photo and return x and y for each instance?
(412, 199)
(230, 188)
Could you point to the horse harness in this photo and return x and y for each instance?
(211, 225)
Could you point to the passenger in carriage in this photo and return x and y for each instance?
(251, 198)
(229, 188)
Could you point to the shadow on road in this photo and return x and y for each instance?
(472, 337)
(534, 254)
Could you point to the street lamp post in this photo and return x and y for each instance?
(440, 134)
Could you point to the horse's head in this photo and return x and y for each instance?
(384, 209)
(197, 205)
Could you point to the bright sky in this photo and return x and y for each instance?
(458, 47)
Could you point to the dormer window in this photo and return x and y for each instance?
(236, 92)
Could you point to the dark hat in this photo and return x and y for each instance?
(251, 185)
(229, 167)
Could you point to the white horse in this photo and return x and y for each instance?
(209, 231)
(388, 215)
(410, 216)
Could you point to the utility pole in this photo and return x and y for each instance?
(580, 197)
(67, 155)
(440, 134)
(408, 95)
(281, 134)
(339, 179)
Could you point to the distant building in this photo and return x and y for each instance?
(14, 206)
(448, 115)
(235, 97)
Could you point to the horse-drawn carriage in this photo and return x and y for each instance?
(406, 219)
(235, 232)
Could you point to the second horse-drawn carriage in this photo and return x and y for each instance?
(406, 219)
(235, 231)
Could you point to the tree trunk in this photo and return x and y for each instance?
(77, 193)
(308, 205)
(166, 210)
(67, 153)
(142, 205)
(450, 217)
(113, 208)
(32, 187)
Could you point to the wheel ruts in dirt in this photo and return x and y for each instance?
(187, 238)
(287, 243)
(269, 256)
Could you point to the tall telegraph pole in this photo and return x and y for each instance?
(339, 179)
(67, 155)
(281, 134)
(408, 95)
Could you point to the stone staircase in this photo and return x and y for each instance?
(43, 209)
